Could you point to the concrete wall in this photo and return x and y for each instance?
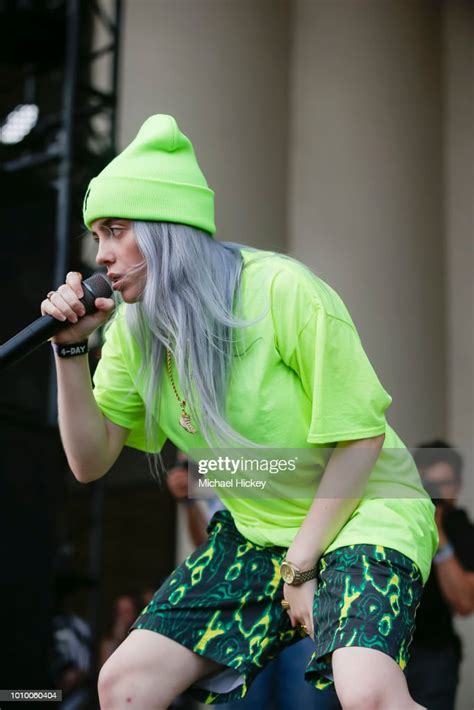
(458, 163)
(220, 67)
(366, 186)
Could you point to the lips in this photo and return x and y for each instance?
(116, 280)
(117, 285)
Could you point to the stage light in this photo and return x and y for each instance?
(19, 123)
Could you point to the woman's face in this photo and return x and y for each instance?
(118, 251)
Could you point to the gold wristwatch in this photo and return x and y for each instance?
(292, 575)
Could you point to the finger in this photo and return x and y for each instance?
(66, 300)
(310, 626)
(49, 309)
(74, 280)
(105, 304)
(303, 630)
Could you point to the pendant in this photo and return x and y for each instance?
(185, 422)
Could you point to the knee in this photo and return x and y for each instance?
(107, 684)
(361, 699)
(116, 686)
(374, 699)
(126, 685)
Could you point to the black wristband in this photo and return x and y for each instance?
(71, 349)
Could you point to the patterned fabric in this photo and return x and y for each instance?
(367, 596)
(223, 602)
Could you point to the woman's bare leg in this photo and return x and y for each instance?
(147, 671)
(367, 679)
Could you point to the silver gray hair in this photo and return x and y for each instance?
(190, 305)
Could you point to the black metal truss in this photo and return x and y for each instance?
(72, 146)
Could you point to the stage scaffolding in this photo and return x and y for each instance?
(73, 139)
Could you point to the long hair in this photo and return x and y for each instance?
(190, 305)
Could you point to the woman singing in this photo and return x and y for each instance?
(217, 344)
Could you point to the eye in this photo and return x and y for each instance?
(115, 230)
(107, 231)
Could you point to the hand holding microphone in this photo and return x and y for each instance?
(80, 307)
(70, 314)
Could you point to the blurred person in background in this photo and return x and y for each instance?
(72, 644)
(221, 344)
(197, 519)
(433, 671)
(125, 611)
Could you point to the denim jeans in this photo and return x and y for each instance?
(281, 686)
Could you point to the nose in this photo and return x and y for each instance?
(105, 254)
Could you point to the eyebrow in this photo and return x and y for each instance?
(103, 223)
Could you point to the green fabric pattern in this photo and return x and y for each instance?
(223, 602)
(376, 591)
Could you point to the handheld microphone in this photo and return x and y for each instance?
(43, 328)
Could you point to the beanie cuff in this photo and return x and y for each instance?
(149, 200)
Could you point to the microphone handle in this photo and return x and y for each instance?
(44, 327)
(29, 339)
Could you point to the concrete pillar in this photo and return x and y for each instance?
(221, 68)
(365, 208)
(458, 160)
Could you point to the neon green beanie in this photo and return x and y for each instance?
(156, 178)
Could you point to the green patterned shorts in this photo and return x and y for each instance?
(223, 602)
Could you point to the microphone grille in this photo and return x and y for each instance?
(99, 285)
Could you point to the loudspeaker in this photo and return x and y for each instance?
(31, 488)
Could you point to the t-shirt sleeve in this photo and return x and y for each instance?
(116, 393)
(347, 400)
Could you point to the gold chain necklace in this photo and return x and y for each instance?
(185, 419)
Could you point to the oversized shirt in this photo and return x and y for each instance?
(300, 380)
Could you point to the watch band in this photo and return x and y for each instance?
(299, 576)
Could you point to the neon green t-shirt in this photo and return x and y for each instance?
(301, 381)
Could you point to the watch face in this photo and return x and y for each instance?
(287, 572)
